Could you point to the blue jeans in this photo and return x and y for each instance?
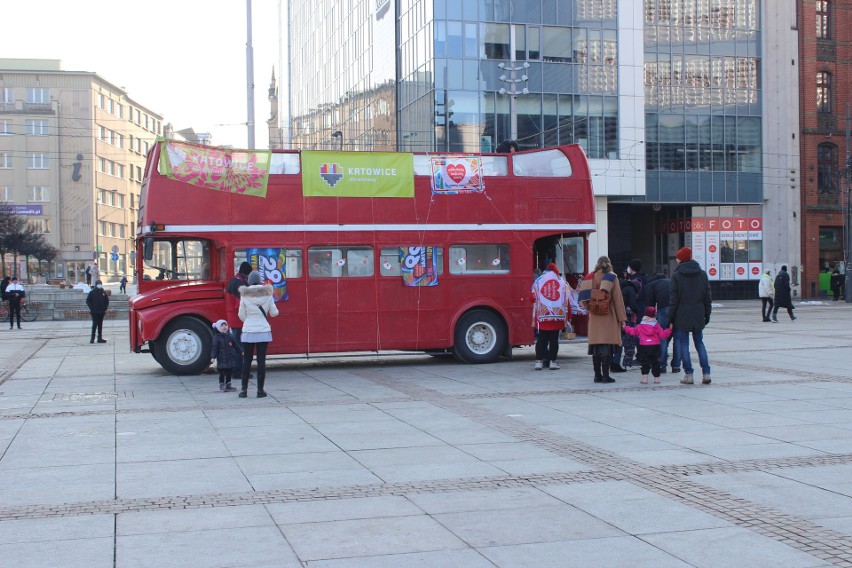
(682, 345)
(663, 320)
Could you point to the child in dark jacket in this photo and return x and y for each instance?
(224, 351)
(649, 333)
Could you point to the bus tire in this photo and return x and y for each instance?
(480, 337)
(184, 346)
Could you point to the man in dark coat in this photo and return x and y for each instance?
(689, 312)
(837, 282)
(782, 295)
(98, 303)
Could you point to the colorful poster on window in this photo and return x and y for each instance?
(272, 265)
(357, 174)
(456, 174)
(714, 270)
(418, 266)
(699, 243)
(245, 172)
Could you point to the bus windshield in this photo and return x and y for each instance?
(178, 260)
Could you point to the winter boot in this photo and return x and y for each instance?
(606, 363)
(596, 363)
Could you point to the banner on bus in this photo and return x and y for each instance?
(222, 169)
(456, 174)
(418, 266)
(271, 263)
(357, 174)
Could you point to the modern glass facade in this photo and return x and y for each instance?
(703, 101)
(342, 74)
(463, 69)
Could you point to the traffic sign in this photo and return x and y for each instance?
(114, 248)
(114, 256)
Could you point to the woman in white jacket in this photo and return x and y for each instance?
(766, 291)
(256, 305)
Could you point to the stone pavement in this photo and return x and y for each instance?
(106, 460)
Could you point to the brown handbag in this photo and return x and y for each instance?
(599, 302)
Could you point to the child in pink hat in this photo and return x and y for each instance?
(649, 333)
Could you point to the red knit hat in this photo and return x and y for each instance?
(553, 268)
(684, 254)
(651, 312)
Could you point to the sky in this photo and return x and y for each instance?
(183, 59)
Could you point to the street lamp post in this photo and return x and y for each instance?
(513, 81)
(339, 135)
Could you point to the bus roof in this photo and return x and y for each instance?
(549, 186)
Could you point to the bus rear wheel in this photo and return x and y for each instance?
(480, 337)
(184, 347)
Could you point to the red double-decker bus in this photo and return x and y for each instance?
(430, 261)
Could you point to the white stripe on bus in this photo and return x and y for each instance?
(368, 228)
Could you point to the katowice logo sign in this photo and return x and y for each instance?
(331, 174)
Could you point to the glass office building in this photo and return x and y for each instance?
(465, 74)
(702, 101)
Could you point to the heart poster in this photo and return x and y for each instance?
(456, 174)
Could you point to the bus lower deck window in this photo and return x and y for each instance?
(479, 259)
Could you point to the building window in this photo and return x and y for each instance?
(39, 193)
(38, 161)
(828, 176)
(823, 19)
(823, 80)
(5, 160)
(6, 95)
(5, 194)
(5, 127)
(495, 40)
(38, 96)
(101, 101)
(37, 127)
(39, 226)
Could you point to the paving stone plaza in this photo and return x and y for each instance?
(414, 461)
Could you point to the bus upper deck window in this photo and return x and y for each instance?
(284, 164)
(548, 163)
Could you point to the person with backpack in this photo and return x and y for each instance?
(600, 294)
(630, 293)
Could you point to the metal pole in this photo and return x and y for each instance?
(249, 78)
(847, 222)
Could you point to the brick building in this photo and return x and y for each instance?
(825, 50)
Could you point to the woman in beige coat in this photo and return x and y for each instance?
(604, 330)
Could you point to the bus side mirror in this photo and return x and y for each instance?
(148, 248)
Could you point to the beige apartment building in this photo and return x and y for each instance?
(72, 157)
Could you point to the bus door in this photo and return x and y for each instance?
(340, 295)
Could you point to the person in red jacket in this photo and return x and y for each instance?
(650, 334)
(232, 305)
(552, 309)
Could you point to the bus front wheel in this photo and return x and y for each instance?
(480, 337)
(184, 347)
